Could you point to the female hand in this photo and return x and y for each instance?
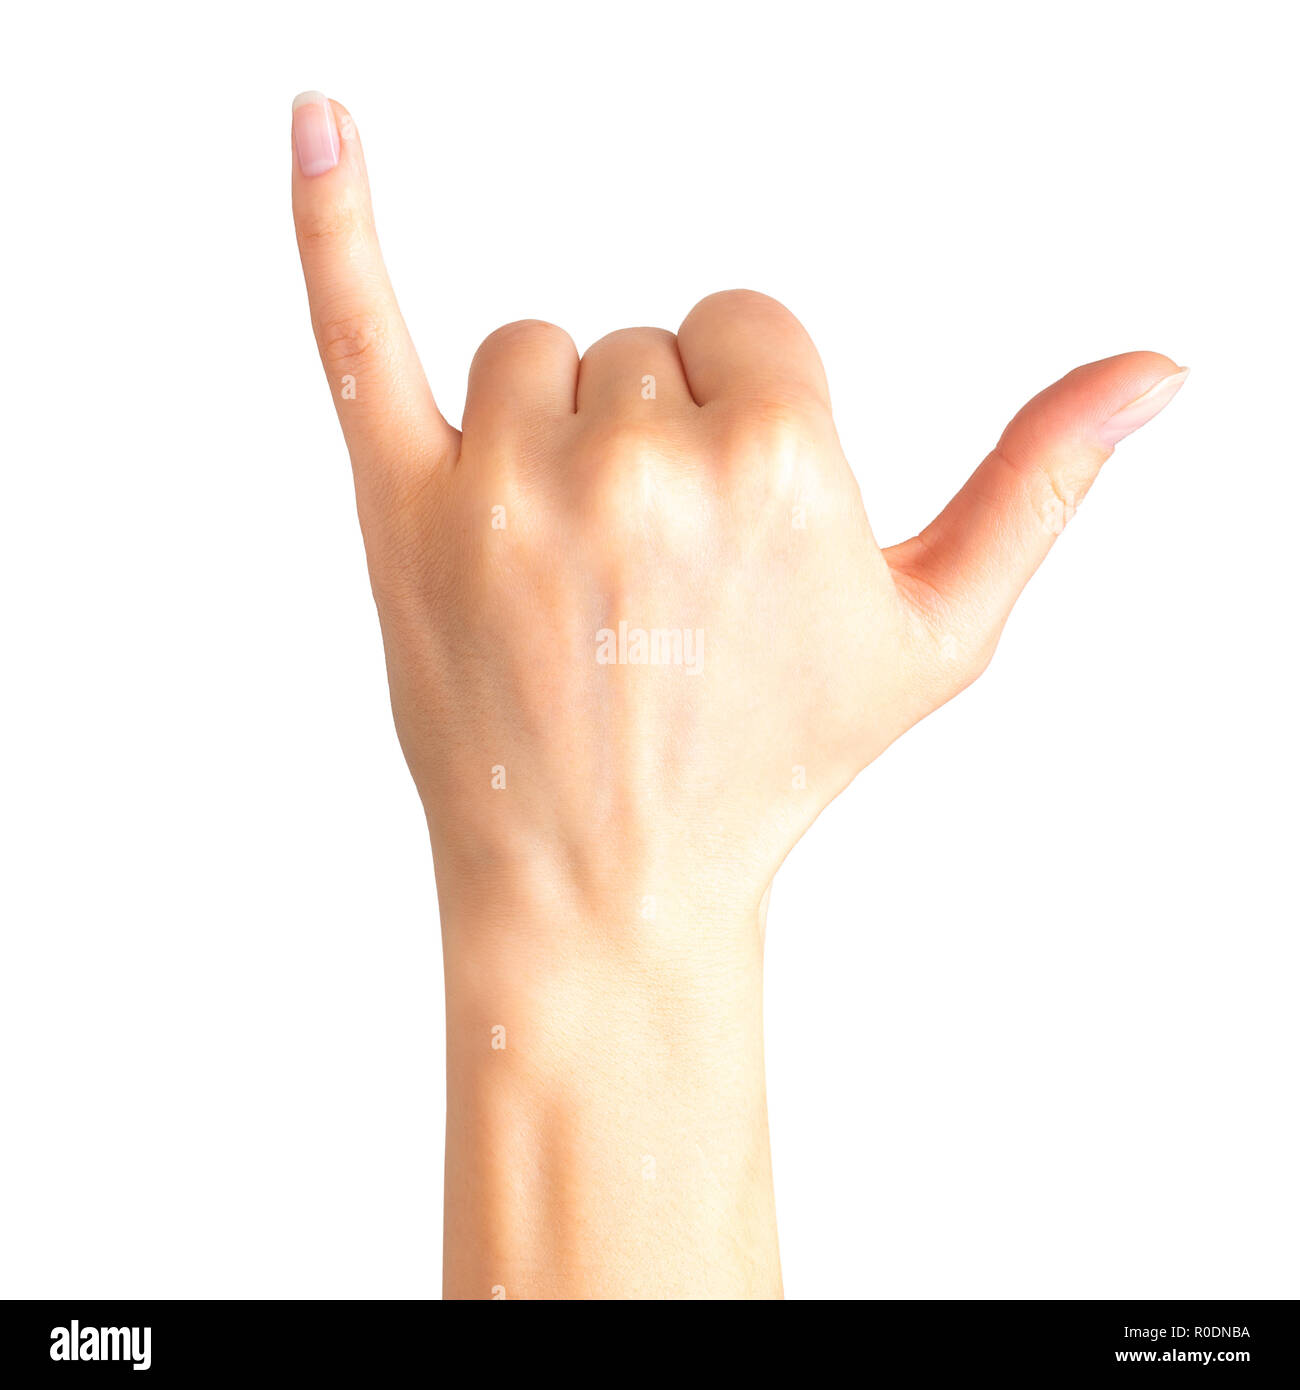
(638, 634)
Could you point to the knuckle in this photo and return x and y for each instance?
(525, 337)
(620, 472)
(1055, 493)
(739, 301)
(618, 452)
(333, 223)
(773, 435)
(352, 340)
(629, 340)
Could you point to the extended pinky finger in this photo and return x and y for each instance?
(394, 431)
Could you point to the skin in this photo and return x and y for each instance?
(604, 835)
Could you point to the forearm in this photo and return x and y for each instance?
(606, 1115)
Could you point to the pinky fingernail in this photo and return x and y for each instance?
(315, 136)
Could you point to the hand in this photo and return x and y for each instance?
(639, 631)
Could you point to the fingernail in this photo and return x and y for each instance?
(1147, 406)
(315, 136)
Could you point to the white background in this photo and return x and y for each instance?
(1032, 980)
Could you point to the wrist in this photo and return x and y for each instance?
(607, 1123)
(547, 920)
